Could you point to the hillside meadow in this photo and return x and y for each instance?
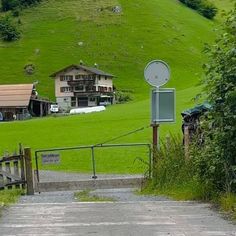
(121, 44)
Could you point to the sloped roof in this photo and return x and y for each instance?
(89, 69)
(15, 95)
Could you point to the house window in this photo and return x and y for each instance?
(78, 77)
(66, 77)
(69, 77)
(73, 101)
(110, 89)
(66, 89)
(105, 89)
(105, 78)
(79, 88)
(92, 99)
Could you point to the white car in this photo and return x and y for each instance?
(54, 108)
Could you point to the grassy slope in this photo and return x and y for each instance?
(225, 5)
(120, 44)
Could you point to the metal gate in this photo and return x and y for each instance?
(95, 179)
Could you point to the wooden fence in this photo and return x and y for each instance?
(16, 171)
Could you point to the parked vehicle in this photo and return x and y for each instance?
(54, 108)
(1, 116)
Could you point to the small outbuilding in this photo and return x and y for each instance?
(21, 101)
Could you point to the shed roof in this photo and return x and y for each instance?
(15, 95)
(89, 69)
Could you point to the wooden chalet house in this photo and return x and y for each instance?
(82, 86)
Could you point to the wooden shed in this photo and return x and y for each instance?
(21, 101)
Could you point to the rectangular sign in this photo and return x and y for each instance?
(50, 158)
(163, 105)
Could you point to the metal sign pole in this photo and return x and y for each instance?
(156, 73)
(155, 146)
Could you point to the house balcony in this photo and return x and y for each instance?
(92, 93)
(80, 82)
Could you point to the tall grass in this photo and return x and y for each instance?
(175, 175)
(9, 196)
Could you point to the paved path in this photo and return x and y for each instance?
(57, 176)
(57, 213)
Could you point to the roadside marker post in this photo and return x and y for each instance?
(157, 74)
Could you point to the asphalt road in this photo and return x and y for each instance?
(58, 214)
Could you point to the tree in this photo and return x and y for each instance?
(8, 30)
(217, 158)
(9, 4)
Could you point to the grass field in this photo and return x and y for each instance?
(121, 44)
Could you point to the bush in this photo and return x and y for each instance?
(208, 9)
(8, 30)
(123, 96)
(215, 160)
(205, 8)
(10, 4)
(174, 175)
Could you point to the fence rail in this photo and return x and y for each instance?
(93, 158)
(16, 171)
(12, 171)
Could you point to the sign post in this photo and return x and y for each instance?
(157, 73)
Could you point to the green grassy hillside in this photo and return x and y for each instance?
(121, 44)
(225, 5)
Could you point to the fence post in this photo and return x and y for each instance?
(22, 165)
(150, 161)
(16, 170)
(8, 170)
(186, 142)
(93, 163)
(1, 178)
(29, 172)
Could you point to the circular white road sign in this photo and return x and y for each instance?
(157, 73)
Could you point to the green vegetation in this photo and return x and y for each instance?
(209, 172)
(92, 129)
(7, 5)
(9, 196)
(8, 29)
(86, 196)
(223, 5)
(121, 44)
(174, 175)
(217, 155)
(204, 7)
(228, 204)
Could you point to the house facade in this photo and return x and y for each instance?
(82, 86)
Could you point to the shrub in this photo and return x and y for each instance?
(215, 160)
(194, 4)
(205, 8)
(208, 9)
(10, 4)
(8, 30)
(123, 96)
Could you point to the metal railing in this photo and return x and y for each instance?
(93, 159)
